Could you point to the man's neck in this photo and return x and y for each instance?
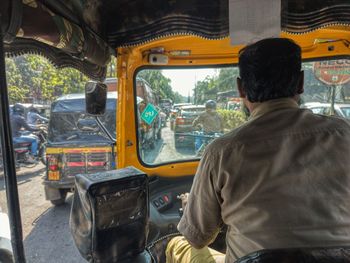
(253, 105)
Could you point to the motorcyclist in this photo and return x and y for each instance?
(210, 121)
(17, 123)
(33, 117)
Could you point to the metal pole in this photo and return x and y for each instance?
(332, 111)
(9, 163)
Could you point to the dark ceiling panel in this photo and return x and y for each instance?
(89, 30)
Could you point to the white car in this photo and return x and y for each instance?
(341, 110)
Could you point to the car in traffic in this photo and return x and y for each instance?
(76, 144)
(166, 105)
(340, 110)
(183, 125)
(174, 111)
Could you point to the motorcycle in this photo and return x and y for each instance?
(203, 139)
(22, 150)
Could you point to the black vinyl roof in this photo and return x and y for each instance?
(84, 33)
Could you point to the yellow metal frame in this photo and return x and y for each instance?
(329, 42)
(87, 149)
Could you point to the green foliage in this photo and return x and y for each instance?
(178, 98)
(112, 68)
(33, 78)
(232, 119)
(160, 84)
(16, 91)
(205, 90)
(227, 79)
(208, 88)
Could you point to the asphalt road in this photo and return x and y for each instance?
(165, 150)
(45, 227)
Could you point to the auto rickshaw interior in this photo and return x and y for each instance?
(196, 61)
(166, 179)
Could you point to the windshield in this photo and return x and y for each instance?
(70, 123)
(181, 135)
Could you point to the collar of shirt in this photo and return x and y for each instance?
(272, 105)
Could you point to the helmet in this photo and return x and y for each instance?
(210, 104)
(18, 108)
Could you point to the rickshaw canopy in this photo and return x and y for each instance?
(84, 33)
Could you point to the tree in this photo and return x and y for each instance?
(205, 89)
(40, 81)
(227, 79)
(111, 68)
(159, 83)
(209, 87)
(14, 82)
(178, 98)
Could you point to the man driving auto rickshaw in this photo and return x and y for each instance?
(280, 176)
(256, 179)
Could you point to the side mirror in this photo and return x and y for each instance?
(95, 98)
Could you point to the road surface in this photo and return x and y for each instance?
(45, 228)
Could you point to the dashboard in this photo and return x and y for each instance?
(164, 208)
(164, 204)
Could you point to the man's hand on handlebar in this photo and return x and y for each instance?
(184, 200)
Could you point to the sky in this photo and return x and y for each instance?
(183, 80)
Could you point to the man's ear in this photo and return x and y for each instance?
(300, 88)
(240, 88)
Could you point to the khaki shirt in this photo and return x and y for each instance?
(280, 180)
(211, 121)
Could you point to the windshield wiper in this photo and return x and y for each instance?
(104, 129)
(74, 136)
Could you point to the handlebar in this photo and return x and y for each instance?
(200, 134)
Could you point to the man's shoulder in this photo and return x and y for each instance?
(318, 121)
(303, 122)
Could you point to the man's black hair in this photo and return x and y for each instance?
(270, 69)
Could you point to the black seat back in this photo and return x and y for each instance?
(109, 216)
(299, 255)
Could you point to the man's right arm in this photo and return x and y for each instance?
(197, 121)
(201, 221)
(39, 117)
(26, 126)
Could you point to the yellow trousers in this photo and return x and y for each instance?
(180, 251)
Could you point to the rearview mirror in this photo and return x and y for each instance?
(95, 98)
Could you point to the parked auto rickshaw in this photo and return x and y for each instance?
(117, 214)
(76, 144)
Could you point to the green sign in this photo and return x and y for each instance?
(149, 114)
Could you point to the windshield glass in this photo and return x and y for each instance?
(181, 133)
(70, 123)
